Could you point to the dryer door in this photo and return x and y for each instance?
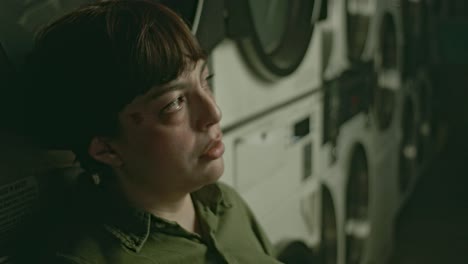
(205, 17)
(358, 22)
(273, 35)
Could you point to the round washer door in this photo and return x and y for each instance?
(205, 18)
(273, 35)
(358, 21)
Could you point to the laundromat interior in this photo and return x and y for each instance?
(345, 125)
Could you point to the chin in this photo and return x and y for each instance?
(205, 174)
(213, 172)
(216, 170)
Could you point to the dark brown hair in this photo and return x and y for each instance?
(89, 64)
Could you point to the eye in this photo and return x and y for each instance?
(209, 77)
(174, 106)
(207, 82)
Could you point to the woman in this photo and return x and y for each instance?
(125, 86)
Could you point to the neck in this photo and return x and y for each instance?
(182, 213)
(176, 207)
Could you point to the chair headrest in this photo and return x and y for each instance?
(32, 182)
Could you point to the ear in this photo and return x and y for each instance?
(102, 151)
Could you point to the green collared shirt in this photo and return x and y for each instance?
(230, 234)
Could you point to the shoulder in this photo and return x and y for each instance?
(81, 247)
(66, 249)
(86, 249)
(61, 258)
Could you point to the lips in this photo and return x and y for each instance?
(215, 150)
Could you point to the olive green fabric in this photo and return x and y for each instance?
(230, 234)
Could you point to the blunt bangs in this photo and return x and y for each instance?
(152, 44)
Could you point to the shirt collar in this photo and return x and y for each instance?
(213, 197)
(132, 226)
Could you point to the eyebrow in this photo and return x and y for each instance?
(174, 87)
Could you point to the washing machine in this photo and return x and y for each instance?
(388, 90)
(272, 162)
(270, 57)
(345, 131)
(348, 35)
(352, 177)
(359, 176)
(360, 144)
(416, 16)
(389, 99)
(404, 75)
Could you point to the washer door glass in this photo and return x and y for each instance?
(279, 33)
(358, 18)
(270, 18)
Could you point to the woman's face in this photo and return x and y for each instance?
(170, 137)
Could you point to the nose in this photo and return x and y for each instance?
(208, 112)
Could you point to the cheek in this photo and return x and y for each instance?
(169, 145)
(176, 119)
(161, 144)
(148, 155)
